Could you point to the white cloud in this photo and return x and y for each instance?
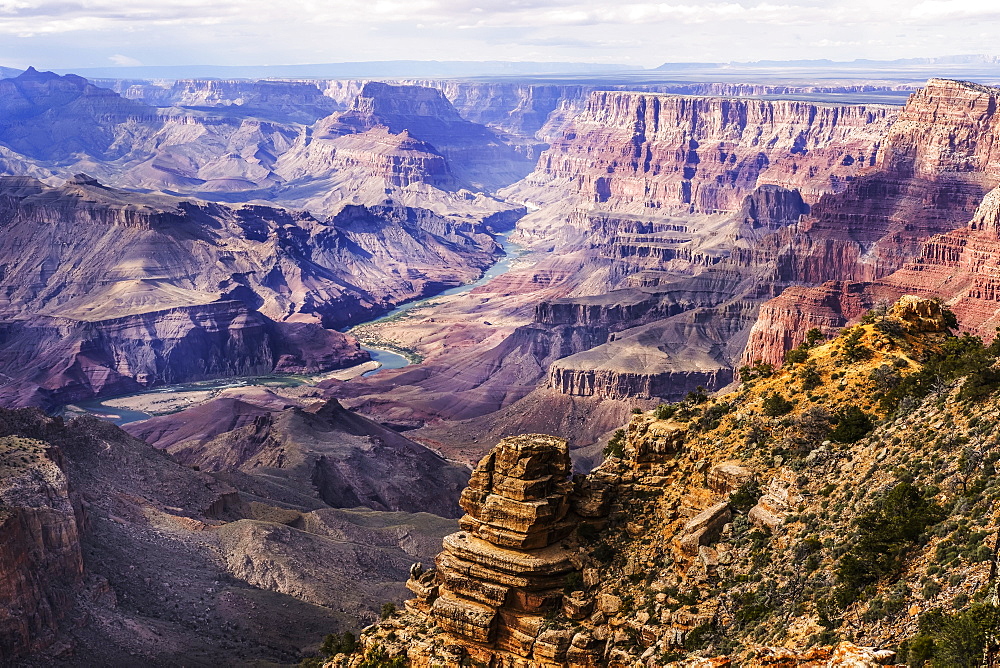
(124, 61)
(258, 31)
(937, 10)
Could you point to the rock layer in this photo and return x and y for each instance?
(41, 561)
(635, 152)
(923, 222)
(497, 578)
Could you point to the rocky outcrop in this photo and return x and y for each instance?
(499, 577)
(322, 455)
(478, 155)
(783, 321)
(41, 561)
(731, 530)
(543, 110)
(398, 159)
(73, 360)
(665, 359)
(248, 141)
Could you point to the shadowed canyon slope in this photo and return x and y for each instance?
(125, 291)
(114, 553)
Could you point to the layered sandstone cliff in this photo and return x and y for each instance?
(500, 580)
(636, 152)
(933, 177)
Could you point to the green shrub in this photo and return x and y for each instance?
(713, 414)
(776, 405)
(664, 411)
(980, 384)
(759, 369)
(339, 643)
(959, 356)
(885, 378)
(951, 641)
(573, 582)
(796, 356)
(885, 534)
(853, 424)
(854, 351)
(698, 637)
(616, 445)
(378, 657)
(746, 497)
(810, 377)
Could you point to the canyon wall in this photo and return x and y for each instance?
(105, 291)
(41, 562)
(643, 153)
(902, 228)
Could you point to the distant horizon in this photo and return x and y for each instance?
(957, 64)
(637, 33)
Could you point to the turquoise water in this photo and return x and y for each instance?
(391, 360)
(388, 360)
(122, 416)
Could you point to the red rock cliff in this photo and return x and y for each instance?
(639, 151)
(903, 227)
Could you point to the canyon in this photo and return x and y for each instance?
(668, 235)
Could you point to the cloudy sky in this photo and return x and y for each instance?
(97, 33)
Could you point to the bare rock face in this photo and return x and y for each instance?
(479, 156)
(784, 320)
(933, 170)
(41, 562)
(842, 654)
(320, 456)
(636, 151)
(499, 576)
(517, 494)
(921, 222)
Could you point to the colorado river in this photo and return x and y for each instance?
(180, 396)
(390, 360)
